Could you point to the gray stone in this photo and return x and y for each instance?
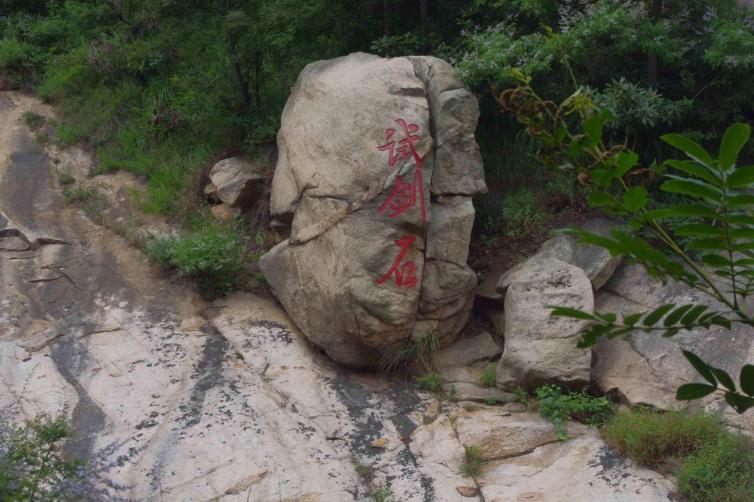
(463, 391)
(380, 233)
(596, 262)
(540, 348)
(647, 368)
(466, 351)
(238, 181)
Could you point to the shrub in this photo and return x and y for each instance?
(212, 255)
(33, 120)
(720, 471)
(651, 438)
(473, 459)
(33, 467)
(559, 407)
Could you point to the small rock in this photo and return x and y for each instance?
(211, 192)
(379, 443)
(467, 491)
(224, 212)
(237, 181)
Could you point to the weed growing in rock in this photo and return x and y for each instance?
(489, 375)
(65, 178)
(710, 462)
(409, 355)
(364, 471)
(89, 199)
(473, 459)
(559, 407)
(430, 381)
(522, 396)
(383, 494)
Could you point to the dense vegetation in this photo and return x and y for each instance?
(161, 88)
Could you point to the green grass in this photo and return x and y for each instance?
(211, 253)
(520, 214)
(489, 375)
(430, 381)
(409, 355)
(87, 198)
(722, 470)
(33, 120)
(66, 178)
(652, 438)
(383, 494)
(710, 462)
(472, 463)
(560, 406)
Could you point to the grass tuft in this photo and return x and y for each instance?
(473, 458)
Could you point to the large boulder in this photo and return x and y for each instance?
(540, 348)
(377, 165)
(647, 368)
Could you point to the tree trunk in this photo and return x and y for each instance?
(386, 22)
(652, 58)
(424, 16)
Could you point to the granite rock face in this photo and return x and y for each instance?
(377, 165)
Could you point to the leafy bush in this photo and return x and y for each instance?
(711, 212)
(33, 467)
(211, 254)
(559, 407)
(651, 438)
(721, 471)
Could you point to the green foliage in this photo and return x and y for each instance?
(383, 494)
(33, 467)
(473, 459)
(211, 254)
(364, 471)
(33, 120)
(711, 463)
(489, 375)
(721, 470)
(651, 438)
(559, 407)
(430, 381)
(520, 214)
(712, 213)
(66, 178)
(522, 396)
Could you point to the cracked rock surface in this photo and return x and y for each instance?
(377, 165)
(177, 400)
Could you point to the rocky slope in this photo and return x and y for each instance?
(175, 399)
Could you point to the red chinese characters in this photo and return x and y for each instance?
(403, 272)
(404, 193)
